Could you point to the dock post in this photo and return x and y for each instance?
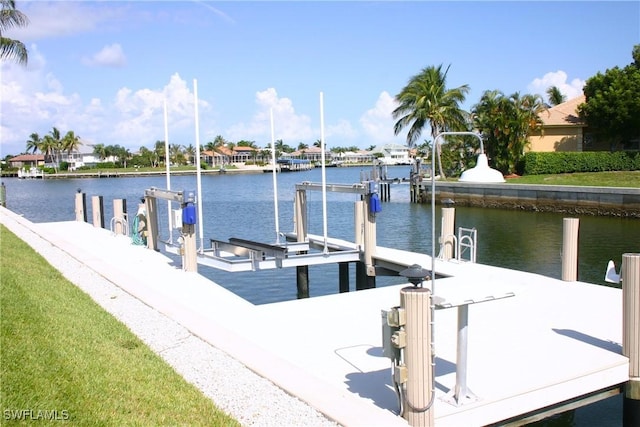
(3, 195)
(361, 270)
(97, 211)
(570, 249)
(81, 206)
(120, 215)
(152, 218)
(369, 242)
(419, 394)
(447, 232)
(189, 251)
(630, 276)
(300, 224)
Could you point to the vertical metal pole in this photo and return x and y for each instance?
(630, 276)
(419, 395)
(570, 249)
(461, 391)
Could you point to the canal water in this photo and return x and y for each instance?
(242, 206)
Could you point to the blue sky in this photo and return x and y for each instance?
(105, 68)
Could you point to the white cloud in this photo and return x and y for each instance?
(289, 126)
(377, 123)
(60, 19)
(108, 56)
(559, 79)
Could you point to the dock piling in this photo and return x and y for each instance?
(570, 228)
(419, 395)
(447, 237)
(3, 195)
(81, 206)
(120, 222)
(630, 275)
(97, 211)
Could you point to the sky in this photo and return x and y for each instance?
(327, 69)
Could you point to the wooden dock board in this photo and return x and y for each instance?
(551, 342)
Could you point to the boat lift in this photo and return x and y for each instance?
(298, 249)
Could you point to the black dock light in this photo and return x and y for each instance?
(415, 274)
(448, 203)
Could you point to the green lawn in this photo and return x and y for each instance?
(591, 179)
(62, 357)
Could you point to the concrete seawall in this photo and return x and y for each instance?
(606, 201)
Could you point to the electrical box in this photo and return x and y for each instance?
(388, 349)
(399, 339)
(396, 317)
(400, 374)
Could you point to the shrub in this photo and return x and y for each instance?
(588, 161)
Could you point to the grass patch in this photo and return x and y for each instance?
(62, 357)
(589, 179)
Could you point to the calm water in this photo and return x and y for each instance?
(242, 206)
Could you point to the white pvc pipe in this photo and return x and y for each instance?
(198, 174)
(168, 169)
(275, 181)
(324, 175)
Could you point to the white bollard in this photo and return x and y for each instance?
(570, 228)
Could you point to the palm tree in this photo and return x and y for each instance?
(70, 142)
(555, 96)
(425, 100)
(33, 143)
(190, 152)
(506, 124)
(11, 17)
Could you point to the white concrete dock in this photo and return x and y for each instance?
(551, 342)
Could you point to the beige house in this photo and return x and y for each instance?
(562, 128)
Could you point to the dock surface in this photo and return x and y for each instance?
(551, 342)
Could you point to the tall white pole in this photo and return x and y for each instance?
(275, 181)
(324, 175)
(198, 174)
(168, 169)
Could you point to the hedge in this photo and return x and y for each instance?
(587, 161)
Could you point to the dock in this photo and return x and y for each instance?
(544, 348)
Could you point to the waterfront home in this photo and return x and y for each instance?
(27, 161)
(562, 129)
(393, 154)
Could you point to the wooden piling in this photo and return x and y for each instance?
(447, 233)
(300, 227)
(151, 205)
(419, 393)
(630, 276)
(369, 242)
(97, 211)
(3, 195)
(81, 207)
(120, 217)
(570, 228)
(189, 250)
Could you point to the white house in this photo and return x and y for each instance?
(393, 154)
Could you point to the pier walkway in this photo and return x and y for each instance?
(551, 342)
